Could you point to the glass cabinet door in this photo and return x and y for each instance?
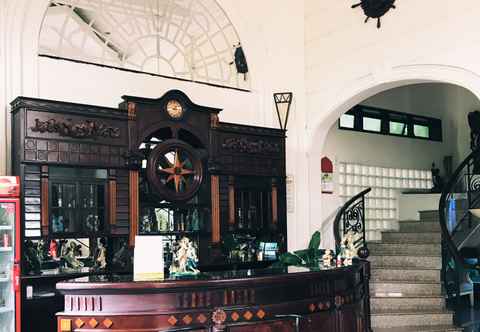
(7, 243)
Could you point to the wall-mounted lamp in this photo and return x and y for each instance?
(283, 100)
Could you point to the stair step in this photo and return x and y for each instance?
(418, 237)
(422, 226)
(405, 248)
(400, 318)
(380, 273)
(402, 288)
(432, 328)
(401, 261)
(407, 302)
(428, 215)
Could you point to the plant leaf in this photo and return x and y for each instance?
(315, 241)
(290, 259)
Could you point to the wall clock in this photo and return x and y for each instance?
(174, 109)
(375, 9)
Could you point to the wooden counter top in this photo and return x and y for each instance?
(285, 299)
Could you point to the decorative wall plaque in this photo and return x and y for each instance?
(82, 129)
(243, 145)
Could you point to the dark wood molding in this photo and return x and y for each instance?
(274, 203)
(44, 200)
(112, 197)
(215, 191)
(134, 205)
(231, 202)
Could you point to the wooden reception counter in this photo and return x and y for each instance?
(284, 300)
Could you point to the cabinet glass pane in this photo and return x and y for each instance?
(7, 236)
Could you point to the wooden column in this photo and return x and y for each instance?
(44, 201)
(274, 203)
(133, 206)
(231, 202)
(112, 197)
(215, 189)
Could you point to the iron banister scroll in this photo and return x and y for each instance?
(448, 189)
(353, 209)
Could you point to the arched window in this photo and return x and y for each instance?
(187, 39)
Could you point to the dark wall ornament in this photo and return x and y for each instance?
(83, 129)
(243, 145)
(375, 9)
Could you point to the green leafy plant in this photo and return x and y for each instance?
(304, 257)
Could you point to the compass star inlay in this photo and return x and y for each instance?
(177, 171)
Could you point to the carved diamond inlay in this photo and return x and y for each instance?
(79, 323)
(107, 323)
(202, 318)
(260, 314)
(311, 307)
(187, 319)
(235, 316)
(93, 323)
(172, 320)
(65, 325)
(248, 315)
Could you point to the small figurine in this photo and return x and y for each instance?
(145, 224)
(185, 258)
(53, 249)
(122, 258)
(32, 259)
(69, 257)
(101, 255)
(57, 224)
(327, 258)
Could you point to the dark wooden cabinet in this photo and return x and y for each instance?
(97, 176)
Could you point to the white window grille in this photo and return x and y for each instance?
(188, 39)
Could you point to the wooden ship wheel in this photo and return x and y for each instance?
(174, 170)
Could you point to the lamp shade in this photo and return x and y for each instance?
(283, 100)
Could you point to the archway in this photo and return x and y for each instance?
(357, 91)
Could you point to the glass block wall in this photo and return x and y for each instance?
(381, 208)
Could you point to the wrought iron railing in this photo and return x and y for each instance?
(463, 186)
(351, 219)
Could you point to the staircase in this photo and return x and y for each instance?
(406, 291)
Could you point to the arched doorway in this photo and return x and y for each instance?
(339, 102)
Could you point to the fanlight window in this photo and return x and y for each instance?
(187, 39)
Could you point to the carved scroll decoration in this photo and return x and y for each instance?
(84, 129)
(244, 145)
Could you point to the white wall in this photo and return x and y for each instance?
(274, 51)
(348, 61)
(391, 151)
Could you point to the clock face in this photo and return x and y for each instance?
(174, 109)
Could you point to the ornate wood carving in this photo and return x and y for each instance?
(134, 205)
(83, 129)
(245, 145)
(44, 200)
(215, 191)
